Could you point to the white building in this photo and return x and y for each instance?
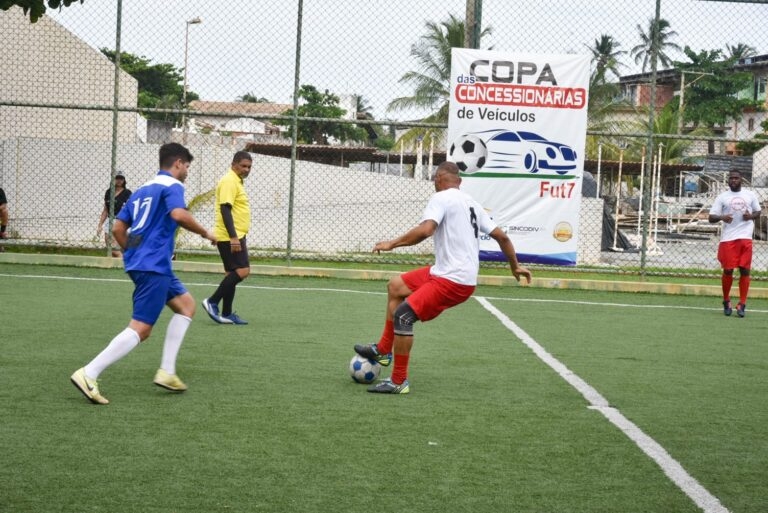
(44, 63)
(217, 117)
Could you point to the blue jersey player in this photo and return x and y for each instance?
(144, 228)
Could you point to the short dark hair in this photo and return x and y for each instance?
(241, 155)
(734, 170)
(171, 152)
(448, 167)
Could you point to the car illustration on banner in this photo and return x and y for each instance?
(517, 150)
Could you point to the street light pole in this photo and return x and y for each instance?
(193, 21)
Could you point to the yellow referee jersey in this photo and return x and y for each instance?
(230, 190)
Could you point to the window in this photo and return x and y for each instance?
(760, 84)
(747, 93)
(630, 94)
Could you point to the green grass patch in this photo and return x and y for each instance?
(272, 422)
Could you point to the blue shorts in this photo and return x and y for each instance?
(151, 293)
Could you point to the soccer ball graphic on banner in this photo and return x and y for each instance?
(363, 370)
(469, 153)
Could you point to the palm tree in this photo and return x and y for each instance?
(644, 50)
(604, 95)
(740, 51)
(251, 98)
(605, 56)
(675, 151)
(432, 82)
(364, 112)
(604, 101)
(363, 108)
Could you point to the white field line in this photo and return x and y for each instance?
(211, 285)
(698, 494)
(715, 300)
(352, 291)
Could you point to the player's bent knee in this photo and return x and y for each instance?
(183, 304)
(396, 287)
(403, 319)
(142, 329)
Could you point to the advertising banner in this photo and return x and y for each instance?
(517, 130)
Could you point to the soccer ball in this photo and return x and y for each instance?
(363, 370)
(469, 153)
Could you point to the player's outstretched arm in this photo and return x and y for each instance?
(188, 222)
(410, 238)
(505, 243)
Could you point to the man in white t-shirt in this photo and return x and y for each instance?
(456, 221)
(737, 208)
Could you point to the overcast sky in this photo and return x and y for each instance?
(353, 47)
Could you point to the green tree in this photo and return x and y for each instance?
(160, 85)
(431, 84)
(604, 101)
(739, 51)
(251, 98)
(321, 105)
(36, 8)
(604, 95)
(748, 148)
(605, 57)
(363, 108)
(644, 50)
(674, 151)
(377, 134)
(712, 99)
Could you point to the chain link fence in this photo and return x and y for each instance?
(343, 106)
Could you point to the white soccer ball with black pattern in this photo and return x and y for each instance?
(469, 153)
(363, 370)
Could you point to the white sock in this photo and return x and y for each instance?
(120, 346)
(177, 328)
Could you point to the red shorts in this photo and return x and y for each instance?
(735, 253)
(432, 294)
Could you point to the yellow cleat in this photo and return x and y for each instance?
(169, 381)
(89, 387)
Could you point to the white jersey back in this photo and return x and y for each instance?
(736, 204)
(460, 221)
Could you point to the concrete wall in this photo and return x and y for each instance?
(336, 210)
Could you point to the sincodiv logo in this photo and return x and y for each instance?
(522, 229)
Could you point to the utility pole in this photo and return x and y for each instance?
(472, 23)
(681, 109)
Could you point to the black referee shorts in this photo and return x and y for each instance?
(232, 260)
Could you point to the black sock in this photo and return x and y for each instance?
(226, 306)
(226, 287)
